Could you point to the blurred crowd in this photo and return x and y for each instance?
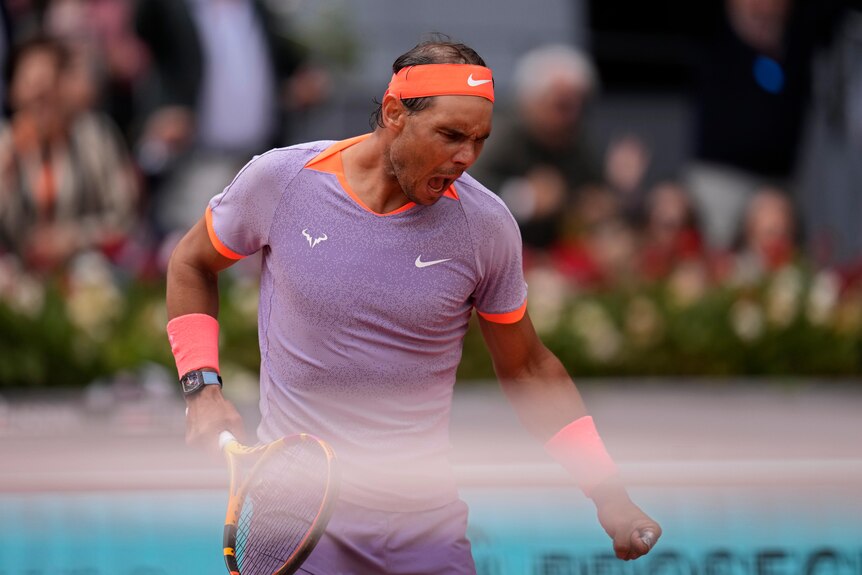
(122, 118)
(598, 216)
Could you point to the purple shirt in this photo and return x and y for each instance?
(362, 316)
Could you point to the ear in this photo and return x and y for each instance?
(394, 113)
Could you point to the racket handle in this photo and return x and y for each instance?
(224, 438)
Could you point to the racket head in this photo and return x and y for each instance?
(282, 496)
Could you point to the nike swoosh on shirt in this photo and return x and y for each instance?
(420, 264)
(474, 83)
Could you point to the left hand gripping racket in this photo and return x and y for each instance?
(282, 495)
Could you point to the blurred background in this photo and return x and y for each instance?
(685, 177)
(688, 184)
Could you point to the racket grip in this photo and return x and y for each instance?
(224, 438)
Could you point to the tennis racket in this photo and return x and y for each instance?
(282, 495)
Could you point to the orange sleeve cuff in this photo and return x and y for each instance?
(509, 317)
(216, 242)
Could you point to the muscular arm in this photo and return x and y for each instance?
(192, 287)
(533, 379)
(193, 274)
(546, 400)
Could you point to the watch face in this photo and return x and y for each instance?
(191, 382)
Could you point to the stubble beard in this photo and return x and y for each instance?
(396, 170)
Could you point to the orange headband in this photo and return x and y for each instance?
(442, 80)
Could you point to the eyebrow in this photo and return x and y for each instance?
(465, 135)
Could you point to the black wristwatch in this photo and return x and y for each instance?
(194, 381)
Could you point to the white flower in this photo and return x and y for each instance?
(94, 300)
(18, 290)
(644, 322)
(596, 328)
(746, 319)
(688, 283)
(548, 292)
(783, 296)
(823, 297)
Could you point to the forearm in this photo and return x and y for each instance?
(192, 282)
(192, 301)
(543, 394)
(550, 406)
(547, 401)
(191, 289)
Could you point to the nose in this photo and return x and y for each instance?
(467, 154)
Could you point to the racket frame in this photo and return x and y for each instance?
(235, 452)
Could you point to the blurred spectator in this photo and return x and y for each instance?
(768, 241)
(543, 157)
(66, 183)
(626, 164)
(831, 187)
(598, 247)
(671, 234)
(754, 85)
(101, 30)
(225, 76)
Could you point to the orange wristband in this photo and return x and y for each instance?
(194, 342)
(579, 449)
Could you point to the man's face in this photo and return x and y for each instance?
(554, 113)
(433, 147)
(35, 86)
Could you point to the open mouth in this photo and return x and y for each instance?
(437, 184)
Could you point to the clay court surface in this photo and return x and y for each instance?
(681, 432)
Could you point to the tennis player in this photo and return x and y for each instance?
(375, 251)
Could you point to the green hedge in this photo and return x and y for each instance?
(70, 333)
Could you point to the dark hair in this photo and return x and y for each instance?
(437, 49)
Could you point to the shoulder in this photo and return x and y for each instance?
(284, 163)
(481, 204)
(490, 224)
(293, 156)
(268, 177)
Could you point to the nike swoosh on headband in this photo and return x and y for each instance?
(474, 83)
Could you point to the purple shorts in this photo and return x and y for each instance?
(363, 541)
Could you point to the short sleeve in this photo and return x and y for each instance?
(501, 294)
(239, 219)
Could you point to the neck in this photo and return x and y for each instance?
(370, 174)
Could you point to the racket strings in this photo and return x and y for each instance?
(281, 506)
